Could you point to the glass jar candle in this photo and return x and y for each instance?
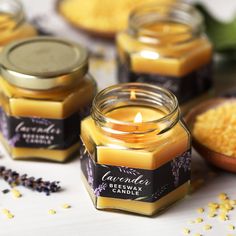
(136, 150)
(45, 91)
(13, 24)
(165, 45)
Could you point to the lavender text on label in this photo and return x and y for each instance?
(48, 130)
(114, 179)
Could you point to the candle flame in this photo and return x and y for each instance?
(132, 94)
(138, 118)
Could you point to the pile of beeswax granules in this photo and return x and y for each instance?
(104, 16)
(216, 128)
(219, 211)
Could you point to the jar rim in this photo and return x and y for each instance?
(175, 12)
(102, 119)
(14, 8)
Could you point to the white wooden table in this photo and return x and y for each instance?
(31, 211)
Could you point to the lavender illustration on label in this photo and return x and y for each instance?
(128, 170)
(41, 121)
(184, 162)
(4, 128)
(99, 189)
(156, 195)
(159, 192)
(14, 140)
(4, 124)
(90, 173)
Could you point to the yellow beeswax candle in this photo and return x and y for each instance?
(133, 150)
(45, 90)
(13, 25)
(166, 60)
(165, 45)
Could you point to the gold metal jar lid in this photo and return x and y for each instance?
(43, 63)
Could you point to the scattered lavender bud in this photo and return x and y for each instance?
(5, 191)
(13, 178)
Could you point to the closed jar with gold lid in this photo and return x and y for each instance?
(13, 24)
(45, 90)
(136, 155)
(165, 45)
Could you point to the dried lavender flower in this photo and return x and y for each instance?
(5, 191)
(13, 178)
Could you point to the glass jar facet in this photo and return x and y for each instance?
(41, 109)
(13, 25)
(165, 45)
(140, 166)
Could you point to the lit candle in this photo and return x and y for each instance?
(134, 147)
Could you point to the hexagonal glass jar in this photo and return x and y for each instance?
(136, 153)
(13, 24)
(165, 45)
(45, 91)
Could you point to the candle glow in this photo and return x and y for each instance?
(133, 161)
(138, 118)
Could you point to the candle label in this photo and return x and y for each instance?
(185, 87)
(34, 132)
(136, 184)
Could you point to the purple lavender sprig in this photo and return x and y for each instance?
(14, 179)
(14, 140)
(178, 163)
(41, 121)
(90, 173)
(99, 189)
(127, 170)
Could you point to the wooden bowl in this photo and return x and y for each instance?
(217, 159)
(77, 26)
